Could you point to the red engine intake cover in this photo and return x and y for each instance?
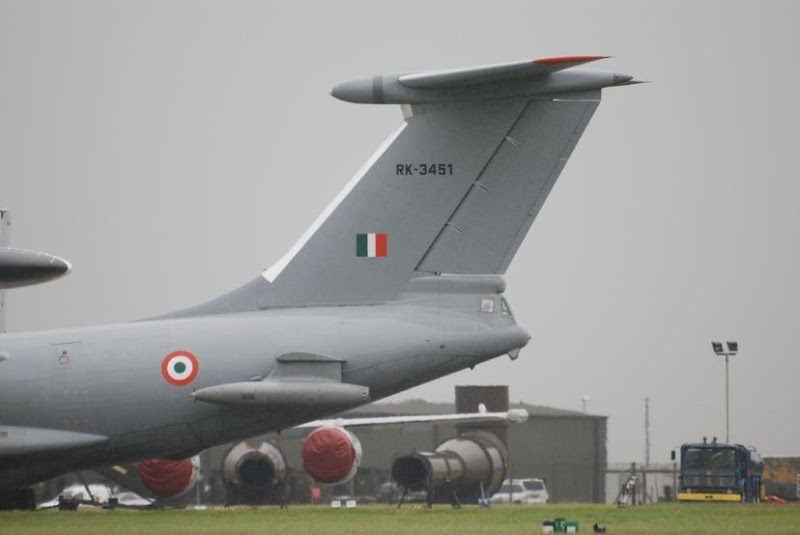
(166, 478)
(328, 454)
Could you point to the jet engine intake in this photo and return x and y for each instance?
(331, 455)
(253, 470)
(168, 478)
(471, 464)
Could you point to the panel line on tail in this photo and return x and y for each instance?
(476, 184)
(493, 219)
(551, 180)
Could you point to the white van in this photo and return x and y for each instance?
(527, 491)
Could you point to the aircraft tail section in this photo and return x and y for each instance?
(453, 190)
(374, 237)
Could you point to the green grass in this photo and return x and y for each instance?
(650, 519)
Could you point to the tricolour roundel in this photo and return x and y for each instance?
(179, 368)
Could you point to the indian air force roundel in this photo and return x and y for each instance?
(179, 368)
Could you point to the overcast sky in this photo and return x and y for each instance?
(171, 150)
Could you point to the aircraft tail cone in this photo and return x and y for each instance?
(622, 79)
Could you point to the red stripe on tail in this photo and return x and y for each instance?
(381, 244)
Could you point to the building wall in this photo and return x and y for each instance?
(782, 477)
(566, 449)
(568, 452)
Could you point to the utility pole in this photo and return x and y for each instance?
(647, 432)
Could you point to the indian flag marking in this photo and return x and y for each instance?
(372, 245)
(179, 368)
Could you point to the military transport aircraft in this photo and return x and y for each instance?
(397, 283)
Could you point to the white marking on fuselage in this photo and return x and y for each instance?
(273, 271)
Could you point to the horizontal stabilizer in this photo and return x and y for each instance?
(545, 77)
(16, 440)
(283, 393)
(494, 73)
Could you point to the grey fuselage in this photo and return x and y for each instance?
(107, 381)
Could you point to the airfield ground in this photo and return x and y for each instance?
(650, 519)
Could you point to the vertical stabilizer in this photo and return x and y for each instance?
(454, 190)
(372, 238)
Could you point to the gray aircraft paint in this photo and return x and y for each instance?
(78, 398)
(5, 227)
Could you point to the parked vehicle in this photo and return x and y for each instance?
(129, 498)
(713, 471)
(99, 494)
(525, 491)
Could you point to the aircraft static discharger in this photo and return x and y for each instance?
(397, 283)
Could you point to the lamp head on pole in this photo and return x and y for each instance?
(718, 349)
(733, 347)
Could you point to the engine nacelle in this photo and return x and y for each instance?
(168, 478)
(466, 464)
(253, 469)
(331, 455)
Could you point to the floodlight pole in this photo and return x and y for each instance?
(733, 348)
(727, 402)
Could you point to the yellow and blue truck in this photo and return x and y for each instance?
(716, 472)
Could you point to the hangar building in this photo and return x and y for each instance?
(565, 448)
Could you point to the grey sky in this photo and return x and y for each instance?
(171, 150)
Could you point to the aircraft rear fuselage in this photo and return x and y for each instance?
(113, 381)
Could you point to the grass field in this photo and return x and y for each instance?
(650, 519)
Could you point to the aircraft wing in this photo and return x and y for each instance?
(482, 416)
(16, 440)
